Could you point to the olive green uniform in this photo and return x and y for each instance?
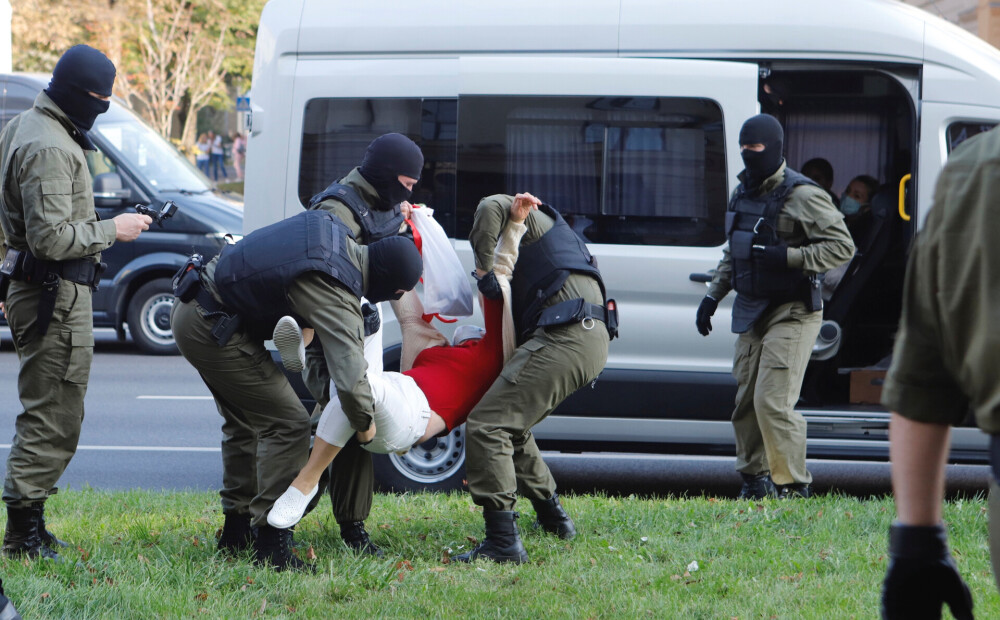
(947, 352)
(352, 477)
(47, 207)
(501, 455)
(771, 357)
(266, 430)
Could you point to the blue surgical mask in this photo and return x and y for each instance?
(848, 205)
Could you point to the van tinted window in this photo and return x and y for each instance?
(963, 130)
(629, 170)
(336, 132)
(16, 99)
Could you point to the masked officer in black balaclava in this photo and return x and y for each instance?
(784, 232)
(54, 240)
(371, 201)
(266, 275)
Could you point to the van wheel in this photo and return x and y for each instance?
(435, 465)
(149, 317)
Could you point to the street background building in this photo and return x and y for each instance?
(980, 17)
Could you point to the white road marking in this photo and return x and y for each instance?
(6, 446)
(170, 397)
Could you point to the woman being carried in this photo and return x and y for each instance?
(432, 397)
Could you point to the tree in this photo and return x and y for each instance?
(173, 56)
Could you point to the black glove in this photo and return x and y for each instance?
(922, 575)
(489, 286)
(772, 256)
(703, 320)
(372, 321)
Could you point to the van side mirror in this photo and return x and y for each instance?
(108, 190)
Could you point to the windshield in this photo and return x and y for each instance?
(146, 153)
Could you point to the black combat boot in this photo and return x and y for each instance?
(794, 490)
(357, 539)
(757, 486)
(552, 518)
(273, 547)
(21, 537)
(48, 538)
(237, 534)
(502, 542)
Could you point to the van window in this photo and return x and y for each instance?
(963, 130)
(628, 170)
(336, 132)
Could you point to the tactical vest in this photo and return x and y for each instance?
(542, 268)
(754, 222)
(375, 224)
(253, 275)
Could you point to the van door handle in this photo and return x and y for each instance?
(702, 277)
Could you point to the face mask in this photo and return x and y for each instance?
(394, 264)
(848, 205)
(759, 165)
(80, 71)
(387, 158)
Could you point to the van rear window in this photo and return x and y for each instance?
(626, 170)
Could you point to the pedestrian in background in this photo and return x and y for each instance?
(53, 242)
(218, 156)
(239, 154)
(783, 232)
(204, 153)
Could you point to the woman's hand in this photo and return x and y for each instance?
(523, 205)
(367, 436)
(405, 208)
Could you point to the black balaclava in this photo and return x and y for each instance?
(761, 129)
(80, 71)
(394, 263)
(388, 157)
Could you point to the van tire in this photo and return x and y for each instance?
(149, 318)
(435, 465)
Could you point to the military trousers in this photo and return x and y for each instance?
(265, 429)
(769, 365)
(994, 528)
(51, 383)
(352, 473)
(501, 455)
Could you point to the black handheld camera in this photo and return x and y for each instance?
(166, 212)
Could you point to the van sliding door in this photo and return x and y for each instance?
(640, 156)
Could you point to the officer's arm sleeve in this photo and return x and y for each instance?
(722, 281)
(335, 314)
(490, 219)
(46, 183)
(830, 243)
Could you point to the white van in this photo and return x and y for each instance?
(624, 115)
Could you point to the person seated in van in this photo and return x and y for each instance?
(855, 204)
(821, 171)
(372, 202)
(309, 267)
(783, 232)
(425, 401)
(204, 153)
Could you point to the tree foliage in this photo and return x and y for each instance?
(174, 57)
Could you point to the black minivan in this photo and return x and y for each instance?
(135, 165)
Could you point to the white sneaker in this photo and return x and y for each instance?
(288, 509)
(288, 340)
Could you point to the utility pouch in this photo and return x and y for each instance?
(814, 299)
(741, 244)
(10, 269)
(187, 280)
(612, 319)
(47, 302)
(225, 327)
(569, 311)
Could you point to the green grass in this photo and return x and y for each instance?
(152, 555)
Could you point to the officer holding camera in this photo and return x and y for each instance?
(52, 241)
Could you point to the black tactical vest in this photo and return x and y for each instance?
(253, 275)
(375, 224)
(753, 221)
(542, 268)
